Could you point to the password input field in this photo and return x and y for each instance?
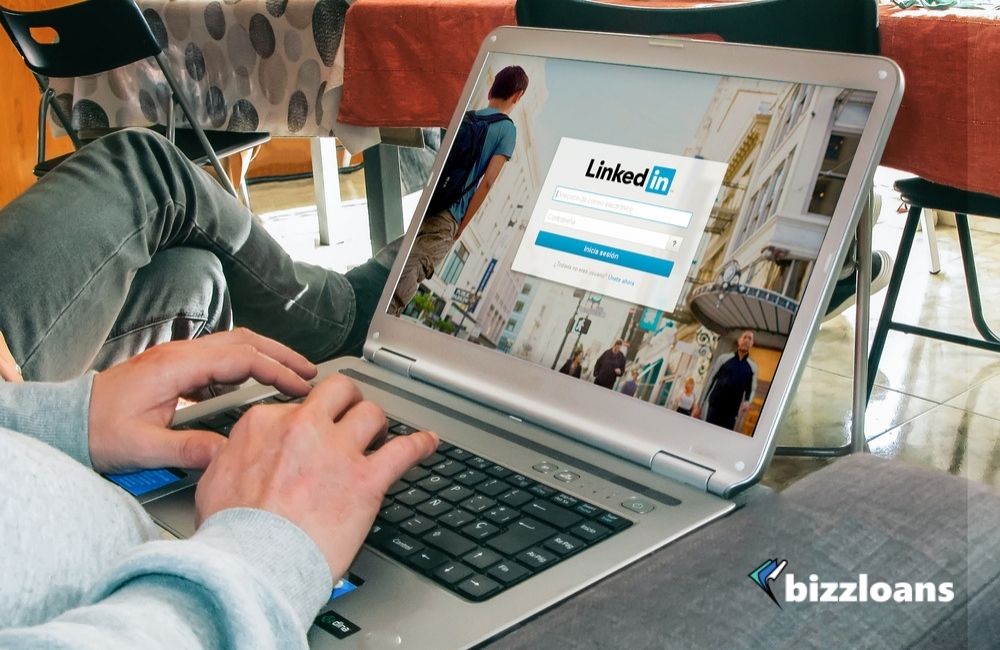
(625, 207)
(607, 229)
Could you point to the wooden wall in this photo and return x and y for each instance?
(18, 115)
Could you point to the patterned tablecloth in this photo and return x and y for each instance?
(246, 65)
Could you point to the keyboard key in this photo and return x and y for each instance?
(398, 486)
(478, 503)
(455, 493)
(401, 429)
(431, 460)
(395, 513)
(402, 545)
(444, 447)
(519, 481)
(379, 534)
(564, 544)
(481, 558)
(524, 533)
(434, 507)
(414, 474)
(614, 522)
(412, 497)
(427, 560)
(480, 530)
(448, 468)
(587, 510)
(459, 454)
(433, 483)
(516, 498)
(492, 487)
(477, 587)
(537, 558)
(502, 514)
(540, 490)
(470, 477)
(449, 542)
(589, 531)
(499, 471)
(565, 500)
(478, 462)
(508, 572)
(456, 518)
(547, 512)
(418, 525)
(386, 502)
(452, 572)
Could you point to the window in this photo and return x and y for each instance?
(519, 307)
(456, 262)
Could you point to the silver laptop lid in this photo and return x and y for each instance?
(671, 216)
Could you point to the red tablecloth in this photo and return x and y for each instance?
(406, 62)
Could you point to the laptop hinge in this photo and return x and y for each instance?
(393, 361)
(681, 470)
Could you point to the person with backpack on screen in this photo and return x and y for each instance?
(483, 145)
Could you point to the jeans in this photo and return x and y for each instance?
(434, 240)
(127, 244)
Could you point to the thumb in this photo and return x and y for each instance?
(185, 448)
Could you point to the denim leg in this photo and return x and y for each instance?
(72, 244)
(180, 295)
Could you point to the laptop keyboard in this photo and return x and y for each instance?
(472, 525)
(477, 527)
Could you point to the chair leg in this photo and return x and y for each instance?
(889, 308)
(972, 278)
(237, 166)
(931, 234)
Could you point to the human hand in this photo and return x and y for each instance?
(307, 463)
(696, 412)
(618, 371)
(133, 404)
(9, 370)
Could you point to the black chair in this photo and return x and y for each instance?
(840, 26)
(99, 35)
(921, 194)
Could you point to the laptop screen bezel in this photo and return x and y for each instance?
(592, 414)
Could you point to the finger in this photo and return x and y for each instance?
(230, 364)
(333, 397)
(184, 448)
(401, 453)
(277, 351)
(365, 422)
(9, 371)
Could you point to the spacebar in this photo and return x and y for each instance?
(526, 532)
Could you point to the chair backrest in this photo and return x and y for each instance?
(90, 37)
(834, 25)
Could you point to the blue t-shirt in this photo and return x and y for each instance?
(500, 139)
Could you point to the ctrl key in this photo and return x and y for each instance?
(336, 624)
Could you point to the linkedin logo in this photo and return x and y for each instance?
(660, 180)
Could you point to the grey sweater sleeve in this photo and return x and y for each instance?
(55, 413)
(247, 579)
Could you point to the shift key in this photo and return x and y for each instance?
(522, 534)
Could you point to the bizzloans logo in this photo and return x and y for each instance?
(657, 181)
(859, 591)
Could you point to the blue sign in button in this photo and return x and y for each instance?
(611, 255)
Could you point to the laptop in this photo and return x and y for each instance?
(608, 347)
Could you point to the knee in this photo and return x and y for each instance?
(198, 277)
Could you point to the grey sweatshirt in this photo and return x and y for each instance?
(83, 566)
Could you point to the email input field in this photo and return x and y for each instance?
(607, 229)
(626, 207)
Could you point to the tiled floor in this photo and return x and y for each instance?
(935, 403)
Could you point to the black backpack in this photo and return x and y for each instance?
(461, 160)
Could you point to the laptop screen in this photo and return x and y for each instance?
(646, 230)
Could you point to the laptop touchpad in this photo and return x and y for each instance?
(175, 511)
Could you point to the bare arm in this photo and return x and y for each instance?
(493, 170)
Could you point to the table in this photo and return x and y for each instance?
(947, 130)
(255, 65)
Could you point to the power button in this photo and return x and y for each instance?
(635, 504)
